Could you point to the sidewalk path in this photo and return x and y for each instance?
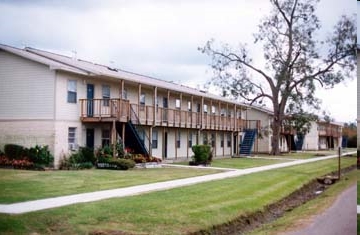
(29, 206)
(338, 219)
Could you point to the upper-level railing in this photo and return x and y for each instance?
(104, 109)
(329, 130)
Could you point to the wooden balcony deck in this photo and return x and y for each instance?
(102, 110)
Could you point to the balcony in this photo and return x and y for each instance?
(105, 110)
(329, 130)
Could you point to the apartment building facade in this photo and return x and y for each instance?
(65, 103)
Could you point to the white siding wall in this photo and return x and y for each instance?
(27, 133)
(311, 141)
(68, 111)
(157, 152)
(26, 89)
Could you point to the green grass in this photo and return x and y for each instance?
(175, 211)
(17, 185)
(241, 163)
(301, 216)
(306, 154)
(238, 163)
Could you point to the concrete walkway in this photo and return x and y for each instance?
(29, 206)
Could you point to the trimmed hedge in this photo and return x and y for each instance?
(202, 155)
(14, 151)
(117, 164)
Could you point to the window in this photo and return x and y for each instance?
(154, 143)
(105, 138)
(190, 139)
(229, 140)
(178, 139)
(205, 108)
(142, 99)
(189, 105)
(213, 140)
(222, 140)
(106, 94)
(72, 138)
(71, 94)
(177, 103)
(213, 109)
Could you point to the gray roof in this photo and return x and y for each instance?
(69, 64)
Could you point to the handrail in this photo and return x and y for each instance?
(138, 127)
(123, 110)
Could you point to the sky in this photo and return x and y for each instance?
(159, 38)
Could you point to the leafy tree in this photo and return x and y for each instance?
(295, 61)
(300, 122)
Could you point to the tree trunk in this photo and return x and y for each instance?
(276, 127)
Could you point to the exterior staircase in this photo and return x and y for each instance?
(135, 135)
(248, 141)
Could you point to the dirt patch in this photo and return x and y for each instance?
(248, 222)
(109, 232)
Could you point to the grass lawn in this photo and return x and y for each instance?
(241, 163)
(175, 211)
(301, 216)
(238, 163)
(306, 154)
(17, 185)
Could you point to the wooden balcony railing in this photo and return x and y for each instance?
(106, 110)
(329, 131)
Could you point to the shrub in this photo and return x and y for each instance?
(117, 164)
(14, 151)
(202, 154)
(138, 158)
(81, 166)
(87, 154)
(123, 164)
(40, 155)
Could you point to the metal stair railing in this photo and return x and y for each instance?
(135, 122)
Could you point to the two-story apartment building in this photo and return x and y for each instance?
(64, 102)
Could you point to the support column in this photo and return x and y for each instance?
(233, 153)
(138, 104)
(187, 144)
(150, 140)
(176, 138)
(202, 112)
(113, 138)
(122, 89)
(155, 106)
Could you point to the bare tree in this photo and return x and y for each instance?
(295, 61)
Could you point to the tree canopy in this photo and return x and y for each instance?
(296, 62)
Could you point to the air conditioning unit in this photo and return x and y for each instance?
(73, 146)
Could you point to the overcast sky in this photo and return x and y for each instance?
(157, 38)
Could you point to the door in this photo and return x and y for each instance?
(90, 138)
(165, 111)
(90, 97)
(236, 145)
(165, 144)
